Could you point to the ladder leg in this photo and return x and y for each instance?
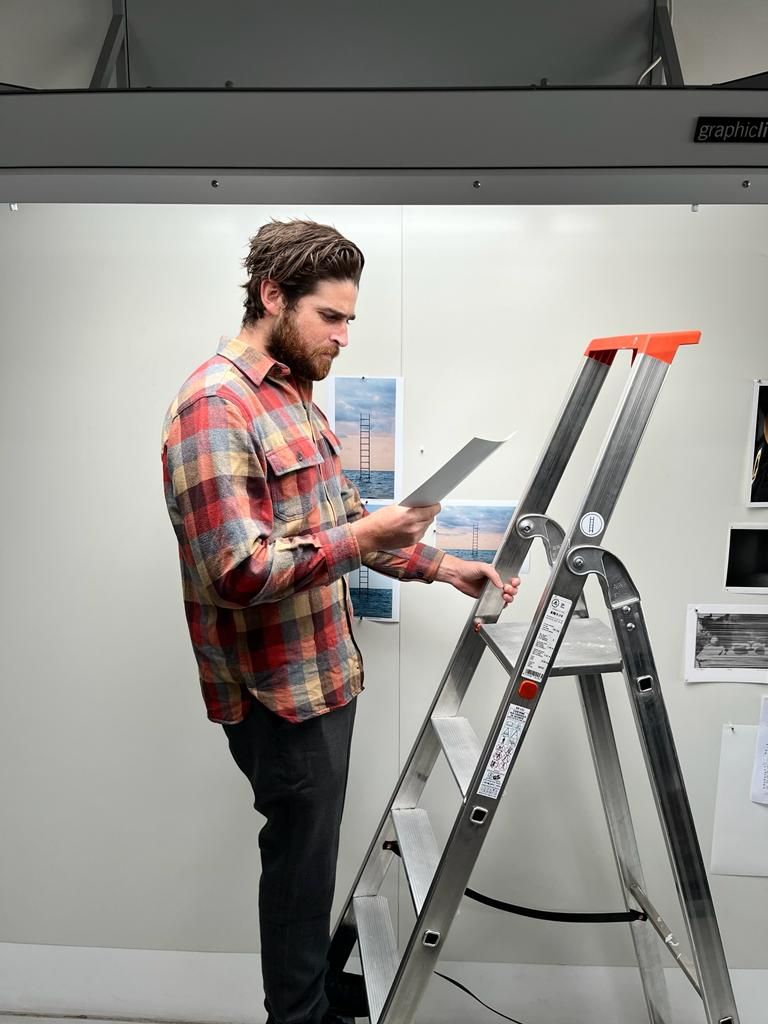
(666, 778)
(680, 833)
(614, 796)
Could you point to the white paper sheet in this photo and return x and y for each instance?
(456, 469)
(759, 792)
(740, 834)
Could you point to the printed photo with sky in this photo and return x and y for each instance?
(473, 529)
(374, 596)
(367, 418)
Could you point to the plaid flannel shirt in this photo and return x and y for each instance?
(261, 511)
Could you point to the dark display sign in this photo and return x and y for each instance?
(731, 129)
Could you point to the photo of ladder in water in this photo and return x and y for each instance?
(365, 447)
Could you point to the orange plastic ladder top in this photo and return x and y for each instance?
(660, 346)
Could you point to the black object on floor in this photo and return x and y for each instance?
(346, 994)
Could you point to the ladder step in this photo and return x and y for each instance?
(588, 647)
(418, 848)
(378, 950)
(460, 746)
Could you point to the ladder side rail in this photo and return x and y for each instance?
(665, 774)
(547, 473)
(610, 780)
(557, 605)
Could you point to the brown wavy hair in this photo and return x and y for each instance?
(297, 254)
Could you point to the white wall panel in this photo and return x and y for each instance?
(125, 822)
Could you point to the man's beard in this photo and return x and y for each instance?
(286, 346)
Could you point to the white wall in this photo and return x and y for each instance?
(125, 822)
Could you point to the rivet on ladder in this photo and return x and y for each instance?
(431, 938)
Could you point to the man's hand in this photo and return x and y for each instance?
(394, 526)
(470, 577)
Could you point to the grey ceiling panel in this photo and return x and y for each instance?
(410, 43)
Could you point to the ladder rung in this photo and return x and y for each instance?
(460, 746)
(378, 950)
(588, 647)
(418, 848)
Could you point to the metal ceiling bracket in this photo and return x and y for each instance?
(665, 45)
(114, 52)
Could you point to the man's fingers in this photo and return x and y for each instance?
(425, 513)
(493, 576)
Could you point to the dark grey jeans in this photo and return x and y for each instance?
(298, 773)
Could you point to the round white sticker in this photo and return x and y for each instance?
(592, 524)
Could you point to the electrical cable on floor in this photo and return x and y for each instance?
(477, 998)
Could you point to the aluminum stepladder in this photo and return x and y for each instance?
(561, 640)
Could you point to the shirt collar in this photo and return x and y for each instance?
(255, 364)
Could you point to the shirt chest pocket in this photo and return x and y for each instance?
(294, 477)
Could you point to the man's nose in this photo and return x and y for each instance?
(341, 336)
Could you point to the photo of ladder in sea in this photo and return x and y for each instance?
(473, 530)
(367, 417)
(373, 595)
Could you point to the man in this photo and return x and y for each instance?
(268, 526)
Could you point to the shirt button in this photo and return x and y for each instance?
(299, 456)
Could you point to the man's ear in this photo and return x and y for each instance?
(272, 297)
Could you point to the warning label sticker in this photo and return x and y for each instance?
(546, 638)
(503, 752)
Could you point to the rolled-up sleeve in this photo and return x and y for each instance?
(419, 562)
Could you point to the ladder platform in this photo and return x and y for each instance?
(418, 849)
(378, 950)
(589, 647)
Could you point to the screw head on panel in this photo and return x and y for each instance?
(578, 563)
(746, 183)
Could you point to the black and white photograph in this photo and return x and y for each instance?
(746, 567)
(726, 643)
(757, 475)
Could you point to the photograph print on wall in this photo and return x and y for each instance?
(746, 569)
(726, 643)
(757, 471)
(373, 595)
(366, 413)
(473, 530)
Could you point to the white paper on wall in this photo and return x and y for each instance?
(759, 792)
(740, 834)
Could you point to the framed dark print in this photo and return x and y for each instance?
(746, 566)
(757, 470)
